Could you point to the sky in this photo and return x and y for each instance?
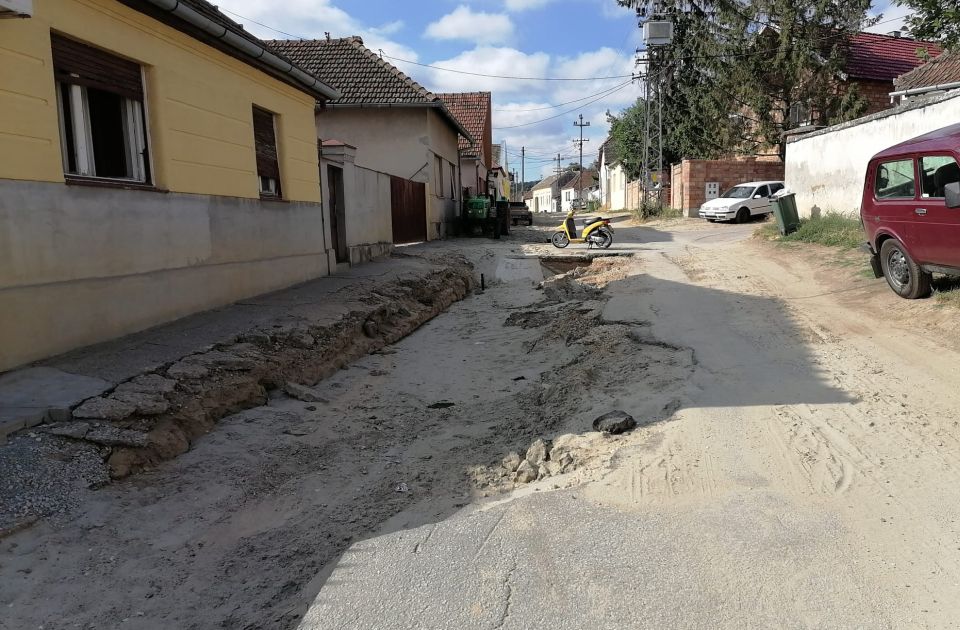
(556, 39)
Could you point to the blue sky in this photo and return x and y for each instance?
(530, 38)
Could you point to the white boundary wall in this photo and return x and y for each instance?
(826, 168)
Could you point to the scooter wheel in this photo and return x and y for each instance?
(560, 240)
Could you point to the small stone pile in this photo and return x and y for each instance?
(543, 459)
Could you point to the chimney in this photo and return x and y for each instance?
(327, 33)
(894, 34)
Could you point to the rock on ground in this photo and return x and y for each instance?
(614, 422)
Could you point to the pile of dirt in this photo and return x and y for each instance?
(155, 416)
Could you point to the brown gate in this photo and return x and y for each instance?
(408, 207)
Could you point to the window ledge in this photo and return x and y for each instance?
(275, 198)
(100, 182)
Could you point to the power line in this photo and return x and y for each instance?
(538, 109)
(610, 92)
(500, 76)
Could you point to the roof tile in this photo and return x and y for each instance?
(885, 57)
(472, 109)
(360, 74)
(943, 69)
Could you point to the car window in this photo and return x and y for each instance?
(775, 188)
(936, 171)
(895, 180)
(763, 191)
(738, 192)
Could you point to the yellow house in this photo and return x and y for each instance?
(155, 160)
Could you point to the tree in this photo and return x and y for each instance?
(935, 20)
(626, 135)
(736, 67)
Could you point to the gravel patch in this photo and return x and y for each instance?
(45, 476)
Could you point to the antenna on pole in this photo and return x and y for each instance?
(657, 32)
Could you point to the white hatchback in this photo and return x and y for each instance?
(742, 202)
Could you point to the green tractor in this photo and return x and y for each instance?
(482, 215)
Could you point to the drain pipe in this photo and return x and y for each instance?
(942, 87)
(245, 46)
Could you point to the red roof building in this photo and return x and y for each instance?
(473, 110)
(874, 61)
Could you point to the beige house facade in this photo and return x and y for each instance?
(196, 184)
(397, 126)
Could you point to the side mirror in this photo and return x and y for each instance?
(951, 194)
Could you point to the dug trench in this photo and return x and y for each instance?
(494, 398)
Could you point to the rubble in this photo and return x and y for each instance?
(511, 462)
(537, 453)
(303, 393)
(100, 408)
(525, 473)
(145, 403)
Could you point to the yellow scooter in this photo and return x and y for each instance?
(596, 231)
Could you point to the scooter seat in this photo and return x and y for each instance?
(592, 221)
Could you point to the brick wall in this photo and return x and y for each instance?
(690, 177)
(877, 94)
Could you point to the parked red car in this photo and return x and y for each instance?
(911, 211)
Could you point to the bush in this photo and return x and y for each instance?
(650, 210)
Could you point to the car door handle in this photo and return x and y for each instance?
(921, 211)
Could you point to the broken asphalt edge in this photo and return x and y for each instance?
(156, 415)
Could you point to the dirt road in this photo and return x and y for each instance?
(797, 465)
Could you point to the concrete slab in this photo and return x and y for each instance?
(30, 395)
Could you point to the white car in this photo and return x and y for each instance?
(742, 202)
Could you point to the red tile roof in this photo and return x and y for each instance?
(943, 69)
(472, 109)
(885, 57)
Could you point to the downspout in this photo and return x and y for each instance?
(921, 90)
(205, 24)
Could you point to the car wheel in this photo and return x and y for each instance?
(743, 215)
(904, 276)
(560, 240)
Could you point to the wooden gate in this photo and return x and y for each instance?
(408, 207)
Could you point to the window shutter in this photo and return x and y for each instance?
(80, 64)
(266, 144)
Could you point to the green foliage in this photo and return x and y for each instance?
(833, 229)
(736, 66)
(626, 133)
(936, 20)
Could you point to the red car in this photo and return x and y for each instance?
(911, 211)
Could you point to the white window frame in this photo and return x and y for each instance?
(133, 133)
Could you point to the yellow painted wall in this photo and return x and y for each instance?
(198, 103)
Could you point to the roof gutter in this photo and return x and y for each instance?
(435, 105)
(246, 47)
(923, 90)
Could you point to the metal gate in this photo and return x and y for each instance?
(408, 207)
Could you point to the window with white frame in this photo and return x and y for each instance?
(100, 101)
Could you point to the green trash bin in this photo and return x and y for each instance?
(785, 209)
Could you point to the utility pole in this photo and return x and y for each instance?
(657, 33)
(581, 125)
(523, 164)
(557, 182)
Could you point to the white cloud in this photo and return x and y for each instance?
(465, 24)
(311, 19)
(389, 29)
(492, 61)
(525, 5)
(892, 17)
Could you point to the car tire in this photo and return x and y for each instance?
(904, 276)
(743, 215)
